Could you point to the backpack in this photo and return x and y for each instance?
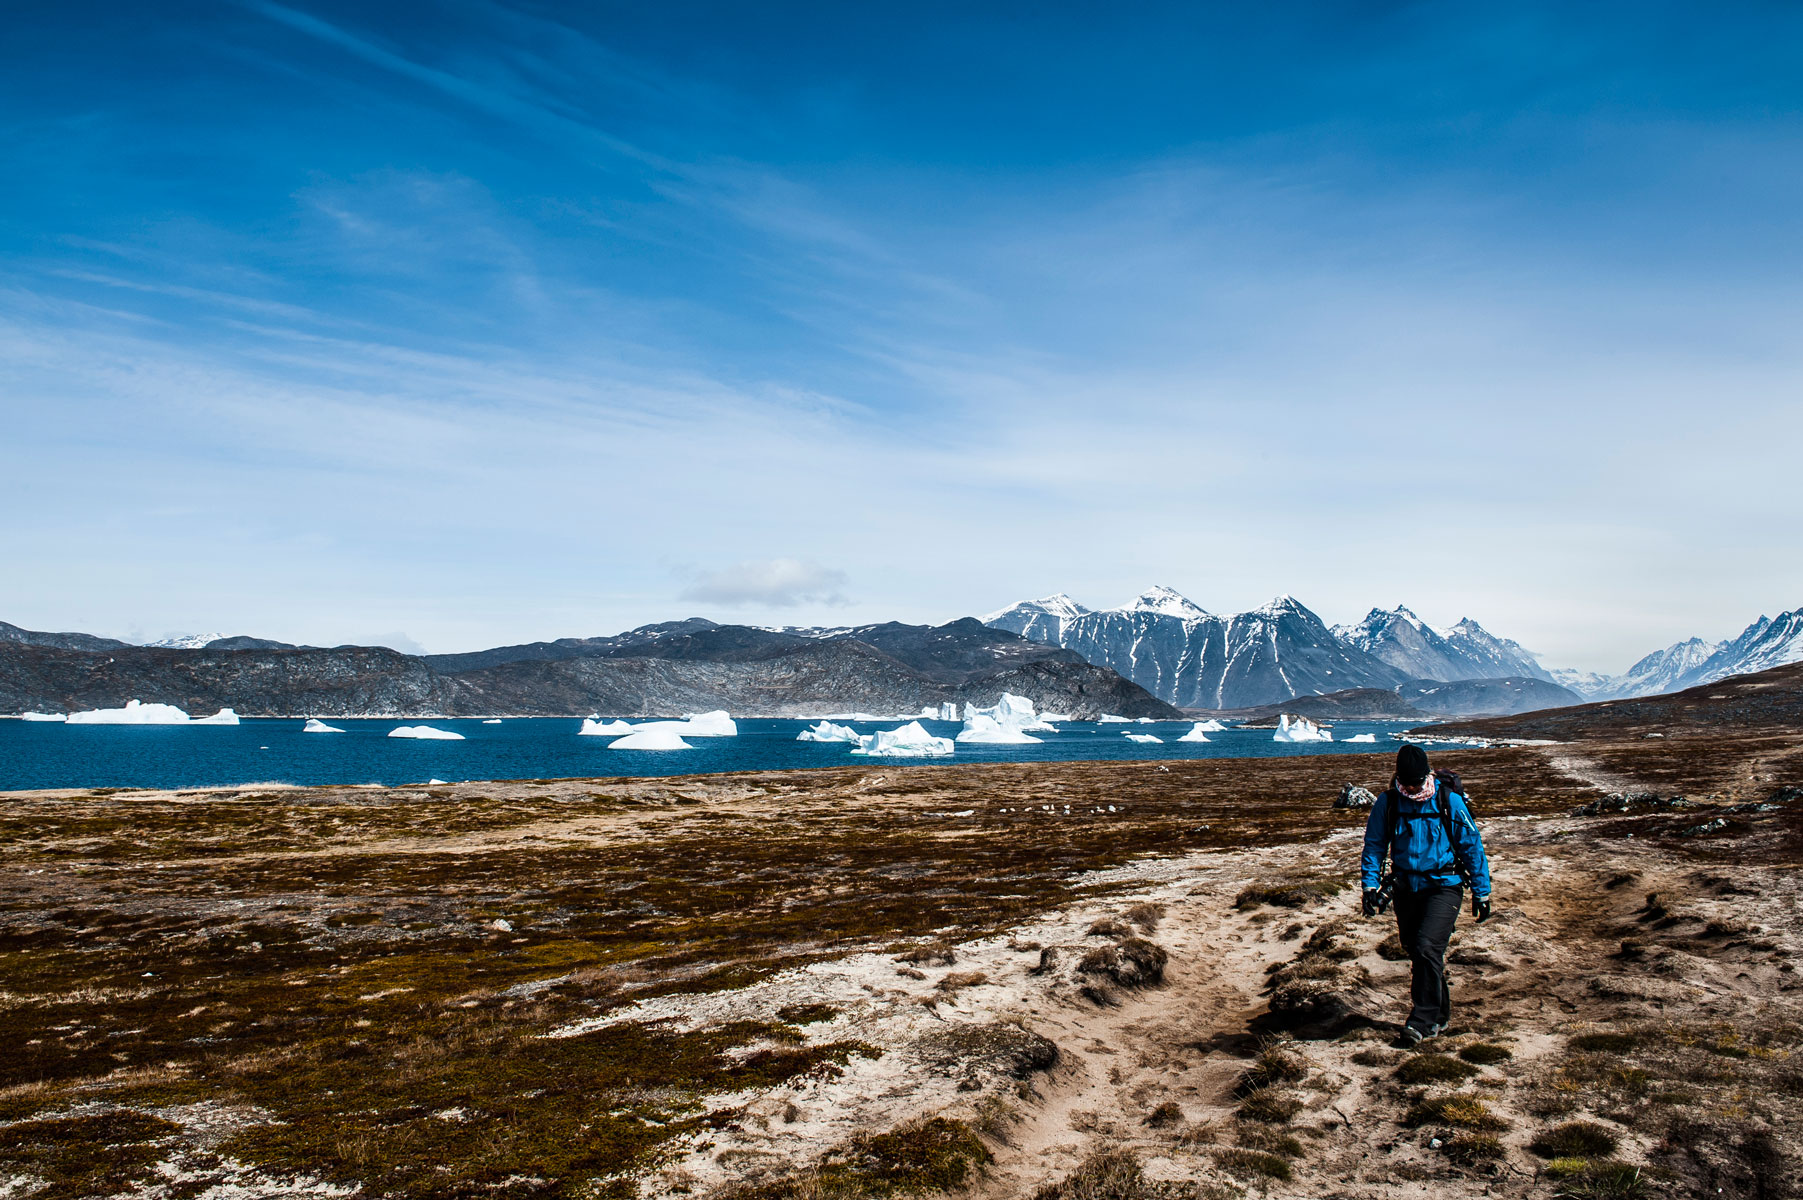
(1448, 781)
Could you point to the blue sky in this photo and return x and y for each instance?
(487, 322)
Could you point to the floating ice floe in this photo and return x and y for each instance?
(826, 731)
(1299, 729)
(1011, 712)
(909, 741)
(1197, 733)
(224, 716)
(1209, 726)
(1144, 721)
(594, 728)
(858, 716)
(315, 725)
(1143, 737)
(710, 724)
(425, 732)
(652, 738)
(935, 712)
(134, 713)
(980, 727)
(1111, 719)
(1362, 737)
(492, 721)
(38, 716)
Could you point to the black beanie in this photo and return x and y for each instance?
(1411, 765)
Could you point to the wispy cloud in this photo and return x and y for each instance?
(769, 583)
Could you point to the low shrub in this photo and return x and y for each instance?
(1168, 1113)
(1254, 1164)
(1473, 1147)
(1269, 1140)
(1104, 1175)
(1108, 927)
(1575, 1139)
(1605, 1043)
(1434, 1068)
(1132, 963)
(1460, 1112)
(1291, 892)
(1486, 1054)
(1269, 1107)
(1146, 915)
(1276, 1063)
(939, 953)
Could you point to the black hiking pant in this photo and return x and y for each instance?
(1424, 922)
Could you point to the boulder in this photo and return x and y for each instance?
(1354, 796)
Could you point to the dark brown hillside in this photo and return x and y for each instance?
(1767, 701)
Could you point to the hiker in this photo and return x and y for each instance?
(1424, 824)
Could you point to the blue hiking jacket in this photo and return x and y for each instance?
(1422, 856)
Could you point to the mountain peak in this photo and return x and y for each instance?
(1165, 602)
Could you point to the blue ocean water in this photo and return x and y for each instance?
(274, 750)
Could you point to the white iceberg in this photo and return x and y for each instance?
(981, 727)
(711, 724)
(426, 733)
(1210, 726)
(594, 728)
(1143, 737)
(909, 741)
(1299, 729)
(1054, 719)
(134, 713)
(718, 723)
(1111, 719)
(826, 731)
(314, 725)
(948, 711)
(492, 721)
(1362, 737)
(1145, 721)
(1011, 712)
(38, 716)
(1197, 733)
(224, 716)
(652, 739)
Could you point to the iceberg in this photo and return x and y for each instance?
(1362, 737)
(826, 731)
(134, 713)
(1143, 737)
(1010, 712)
(425, 732)
(652, 738)
(1055, 719)
(314, 725)
(38, 716)
(718, 723)
(1299, 729)
(981, 727)
(712, 724)
(1210, 726)
(492, 721)
(1197, 733)
(224, 716)
(594, 728)
(1111, 719)
(910, 741)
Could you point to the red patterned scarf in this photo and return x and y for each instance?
(1419, 795)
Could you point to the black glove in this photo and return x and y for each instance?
(1371, 902)
(1480, 908)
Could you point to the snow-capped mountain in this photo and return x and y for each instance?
(1423, 651)
(1183, 654)
(185, 641)
(1041, 620)
(1766, 643)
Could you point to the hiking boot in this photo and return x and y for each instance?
(1412, 1037)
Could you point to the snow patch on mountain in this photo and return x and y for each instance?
(186, 641)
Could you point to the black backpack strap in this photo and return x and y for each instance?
(1444, 799)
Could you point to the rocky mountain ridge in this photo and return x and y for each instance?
(658, 670)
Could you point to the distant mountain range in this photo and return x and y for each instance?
(1149, 657)
(1190, 657)
(657, 670)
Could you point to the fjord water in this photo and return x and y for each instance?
(274, 750)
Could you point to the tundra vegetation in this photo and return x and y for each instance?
(627, 987)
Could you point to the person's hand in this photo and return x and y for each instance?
(1370, 904)
(1480, 908)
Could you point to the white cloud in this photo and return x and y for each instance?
(769, 583)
